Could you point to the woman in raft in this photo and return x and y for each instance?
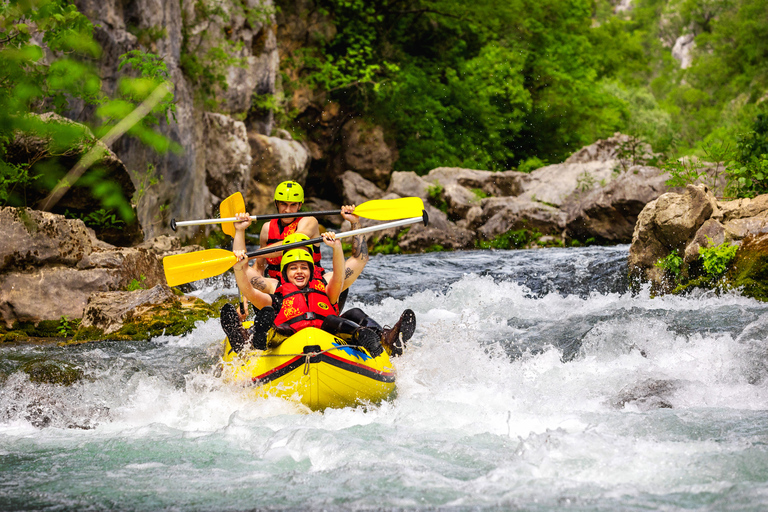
(304, 299)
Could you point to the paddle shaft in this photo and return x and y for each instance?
(404, 222)
(181, 223)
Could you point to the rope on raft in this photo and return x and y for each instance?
(309, 355)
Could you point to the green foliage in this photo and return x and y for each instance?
(479, 193)
(512, 239)
(585, 181)
(530, 164)
(385, 245)
(48, 62)
(99, 220)
(748, 172)
(498, 85)
(715, 260)
(672, 263)
(66, 327)
(137, 284)
(692, 170)
(436, 197)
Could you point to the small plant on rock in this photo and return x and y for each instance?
(66, 327)
(436, 197)
(137, 284)
(585, 181)
(715, 260)
(672, 263)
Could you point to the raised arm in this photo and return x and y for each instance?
(333, 289)
(258, 298)
(359, 258)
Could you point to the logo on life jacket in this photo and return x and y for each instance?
(322, 305)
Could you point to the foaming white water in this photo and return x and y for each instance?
(505, 399)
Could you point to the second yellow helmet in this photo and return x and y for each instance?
(296, 255)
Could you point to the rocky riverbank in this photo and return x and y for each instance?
(59, 282)
(683, 241)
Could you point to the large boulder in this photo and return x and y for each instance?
(365, 151)
(503, 214)
(440, 232)
(107, 311)
(274, 160)
(227, 156)
(494, 184)
(667, 224)
(408, 184)
(462, 189)
(32, 238)
(53, 264)
(357, 190)
(609, 214)
(592, 166)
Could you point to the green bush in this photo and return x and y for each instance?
(672, 263)
(49, 62)
(512, 239)
(436, 197)
(715, 260)
(137, 284)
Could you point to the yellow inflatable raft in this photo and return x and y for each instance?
(316, 368)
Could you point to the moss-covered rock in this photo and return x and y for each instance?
(51, 371)
(174, 318)
(749, 270)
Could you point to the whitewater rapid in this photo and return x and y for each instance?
(536, 380)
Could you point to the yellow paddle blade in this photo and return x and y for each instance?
(391, 209)
(185, 268)
(228, 208)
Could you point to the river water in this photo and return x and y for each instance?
(535, 381)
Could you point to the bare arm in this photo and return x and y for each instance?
(333, 289)
(239, 245)
(356, 263)
(258, 298)
(359, 258)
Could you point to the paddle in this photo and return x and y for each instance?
(376, 209)
(192, 266)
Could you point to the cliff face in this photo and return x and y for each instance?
(235, 41)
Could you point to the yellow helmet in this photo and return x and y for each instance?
(296, 255)
(290, 192)
(298, 237)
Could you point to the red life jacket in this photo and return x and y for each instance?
(307, 307)
(276, 234)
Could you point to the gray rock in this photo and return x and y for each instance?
(409, 184)
(666, 224)
(511, 213)
(440, 231)
(710, 234)
(107, 311)
(497, 184)
(49, 293)
(609, 213)
(227, 156)
(274, 160)
(365, 151)
(32, 238)
(357, 190)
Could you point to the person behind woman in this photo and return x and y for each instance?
(300, 301)
(393, 339)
